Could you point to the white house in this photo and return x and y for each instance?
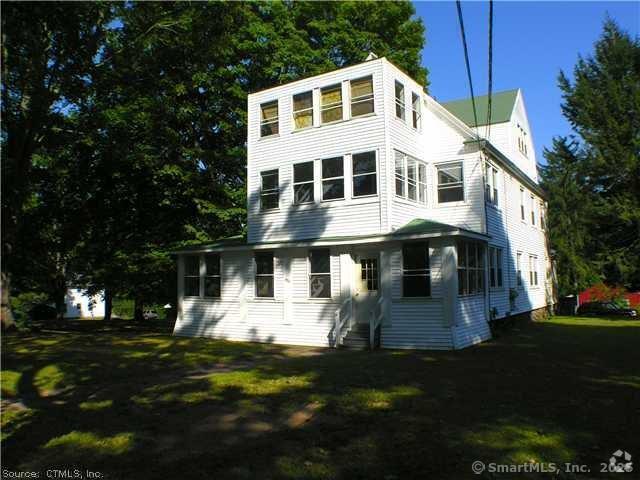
(79, 304)
(376, 215)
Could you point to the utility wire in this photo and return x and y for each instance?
(490, 68)
(466, 60)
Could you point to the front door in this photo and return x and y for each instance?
(367, 285)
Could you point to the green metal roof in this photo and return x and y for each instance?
(502, 104)
(419, 226)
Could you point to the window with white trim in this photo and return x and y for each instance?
(533, 211)
(416, 275)
(269, 190)
(401, 174)
(264, 274)
(192, 276)
(542, 226)
(361, 96)
(364, 174)
(410, 178)
(522, 217)
(303, 110)
(533, 270)
(422, 183)
(331, 103)
(470, 267)
(415, 108)
(303, 185)
(333, 178)
(212, 277)
(319, 273)
(519, 278)
(269, 118)
(369, 273)
(491, 185)
(450, 182)
(495, 267)
(400, 102)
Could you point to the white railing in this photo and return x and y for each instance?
(375, 320)
(339, 321)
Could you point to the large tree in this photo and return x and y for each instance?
(594, 185)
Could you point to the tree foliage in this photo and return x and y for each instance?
(593, 178)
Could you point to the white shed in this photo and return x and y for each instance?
(81, 305)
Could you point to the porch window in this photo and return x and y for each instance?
(415, 106)
(361, 96)
(416, 276)
(269, 190)
(332, 178)
(450, 183)
(400, 103)
(303, 110)
(269, 118)
(533, 270)
(491, 185)
(331, 103)
(319, 273)
(422, 183)
(264, 274)
(470, 267)
(303, 190)
(212, 279)
(192, 276)
(519, 269)
(364, 174)
(495, 267)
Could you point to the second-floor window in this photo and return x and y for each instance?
(415, 107)
(519, 269)
(331, 103)
(364, 174)
(410, 178)
(450, 183)
(319, 273)
(192, 276)
(269, 190)
(491, 186)
(269, 118)
(303, 110)
(400, 103)
(264, 274)
(533, 210)
(495, 267)
(416, 275)
(541, 215)
(522, 217)
(361, 96)
(422, 183)
(303, 190)
(332, 178)
(533, 270)
(212, 278)
(470, 267)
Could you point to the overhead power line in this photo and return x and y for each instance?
(466, 61)
(490, 68)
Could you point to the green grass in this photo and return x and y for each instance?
(149, 406)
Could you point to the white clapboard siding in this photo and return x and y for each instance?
(471, 326)
(417, 324)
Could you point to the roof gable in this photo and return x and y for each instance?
(502, 104)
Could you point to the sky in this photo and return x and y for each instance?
(532, 42)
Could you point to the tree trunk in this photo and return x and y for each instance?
(61, 306)
(108, 304)
(6, 314)
(137, 309)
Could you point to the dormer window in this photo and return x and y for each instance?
(400, 103)
(269, 119)
(361, 96)
(331, 103)
(303, 110)
(415, 107)
(522, 140)
(269, 190)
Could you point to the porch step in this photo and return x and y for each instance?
(357, 338)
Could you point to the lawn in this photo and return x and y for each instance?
(134, 405)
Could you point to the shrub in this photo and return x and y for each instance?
(22, 304)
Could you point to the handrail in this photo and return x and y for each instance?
(338, 323)
(375, 322)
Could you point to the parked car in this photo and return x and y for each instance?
(605, 308)
(149, 315)
(42, 311)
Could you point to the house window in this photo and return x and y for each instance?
(470, 267)
(331, 103)
(415, 107)
(450, 183)
(422, 183)
(522, 204)
(533, 211)
(303, 190)
(319, 273)
(269, 118)
(369, 272)
(533, 270)
(400, 104)
(364, 174)
(303, 110)
(269, 190)
(212, 283)
(495, 267)
(332, 178)
(542, 216)
(361, 96)
(519, 269)
(416, 277)
(192, 276)
(491, 186)
(264, 274)
(412, 180)
(401, 176)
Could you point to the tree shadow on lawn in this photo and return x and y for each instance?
(546, 392)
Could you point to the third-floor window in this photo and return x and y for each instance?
(361, 96)
(269, 118)
(331, 103)
(415, 107)
(303, 110)
(400, 102)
